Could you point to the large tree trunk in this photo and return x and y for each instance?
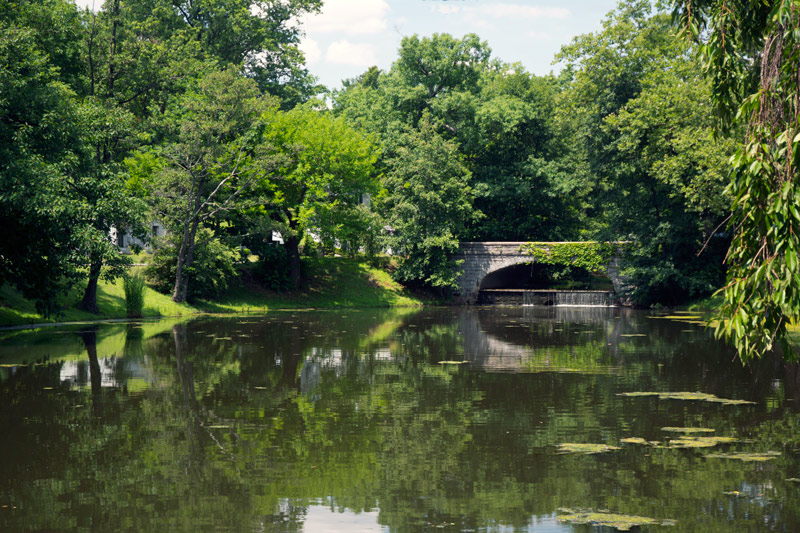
(89, 302)
(185, 259)
(295, 266)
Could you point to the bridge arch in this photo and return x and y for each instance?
(481, 259)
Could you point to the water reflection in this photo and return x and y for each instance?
(320, 421)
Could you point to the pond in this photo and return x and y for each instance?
(452, 419)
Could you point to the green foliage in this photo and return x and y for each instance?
(272, 269)
(134, 294)
(428, 204)
(643, 115)
(592, 256)
(323, 169)
(213, 268)
(762, 296)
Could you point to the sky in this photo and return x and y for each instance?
(349, 36)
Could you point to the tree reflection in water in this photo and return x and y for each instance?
(262, 423)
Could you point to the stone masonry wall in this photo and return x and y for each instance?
(480, 259)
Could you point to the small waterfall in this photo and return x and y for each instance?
(528, 298)
(546, 297)
(583, 298)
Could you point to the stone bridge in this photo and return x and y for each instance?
(483, 258)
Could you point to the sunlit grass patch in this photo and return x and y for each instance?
(621, 522)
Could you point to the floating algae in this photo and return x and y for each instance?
(688, 430)
(585, 448)
(691, 396)
(699, 442)
(635, 440)
(744, 456)
(633, 335)
(620, 522)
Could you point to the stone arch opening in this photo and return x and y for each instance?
(532, 276)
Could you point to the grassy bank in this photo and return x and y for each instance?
(332, 282)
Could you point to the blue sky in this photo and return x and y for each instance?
(351, 35)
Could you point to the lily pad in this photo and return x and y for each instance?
(691, 396)
(621, 522)
(744, 456)
(585, 448)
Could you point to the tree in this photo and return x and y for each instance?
(751, 52)
(38, 135)
(99, 191)
(642, 115)
(261, 36)
(325, 169)
(212, 161)
(428, 205)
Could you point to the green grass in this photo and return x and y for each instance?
(332, 282)
(709, 304)
(16, 310)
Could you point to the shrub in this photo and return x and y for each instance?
(134, 295)
(273, 268)
(210, 273)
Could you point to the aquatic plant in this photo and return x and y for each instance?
(699, 442)
(687, 430)
(635, 440)
(690, 396)
(622, 522)
(585, 448)
(745, 456)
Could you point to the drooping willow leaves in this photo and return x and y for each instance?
(751, 51)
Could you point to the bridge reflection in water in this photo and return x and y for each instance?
(545, 338)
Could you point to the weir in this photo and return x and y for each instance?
(544, 297)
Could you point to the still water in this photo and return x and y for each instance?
(360, 420)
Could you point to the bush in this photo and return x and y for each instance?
(273, 268)
(134, 295)
(210, 273)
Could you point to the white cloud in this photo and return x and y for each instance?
(522, 11)
(346, 53)
(446, 10)
(351, 17)
(311, 50)
(538, 36)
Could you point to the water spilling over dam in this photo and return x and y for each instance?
(566, 298)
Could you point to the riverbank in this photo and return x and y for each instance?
(332, 282)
